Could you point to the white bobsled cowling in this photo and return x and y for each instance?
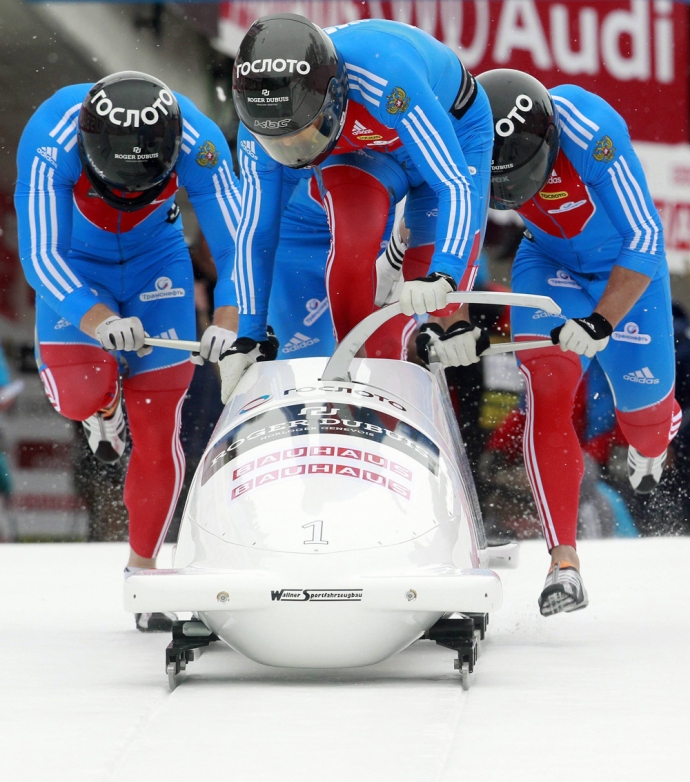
(330, 522)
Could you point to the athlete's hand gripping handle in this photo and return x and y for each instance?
(116, 333)
(426, 294)
(584, 336)
(461, 345)
(338, 367)
(215, 341)
(238, 358)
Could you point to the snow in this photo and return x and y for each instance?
(597, 695)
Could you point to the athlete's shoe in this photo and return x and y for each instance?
(644, 473)
(563, 590)
(106, 431)
(157, 622)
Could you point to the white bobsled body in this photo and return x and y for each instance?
(329, 524)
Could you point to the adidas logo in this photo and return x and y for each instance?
(249, 147)
(643, 375)
(299, 342)
(49, 153)
(169, 334)
(358, 129)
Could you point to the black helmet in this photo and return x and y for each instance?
(130, 130)
(290, 89)
(525, 136)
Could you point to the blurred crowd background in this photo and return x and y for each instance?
(635, 53)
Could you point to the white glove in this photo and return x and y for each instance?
(426, 294)
(232, 366)
(389, 277)
(116, 333)
(241, 355)
(461, 345)
(584, 336)
(214, 342)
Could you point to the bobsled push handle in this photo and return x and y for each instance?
(339, 363)
(173, 344)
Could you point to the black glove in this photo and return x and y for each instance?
(241, 355)
(460, 345)
(266, 350)
(429, 334)
(584, 336)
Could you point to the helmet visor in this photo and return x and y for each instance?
(511, 188)
(311, 144)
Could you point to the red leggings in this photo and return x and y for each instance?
(82, 379)
(553, 456)
(357, 206)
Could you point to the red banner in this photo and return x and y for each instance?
(668, 176)
(634, 53)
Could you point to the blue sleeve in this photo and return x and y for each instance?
(205, 170)
(596, 139)
(263, 184)
(427, 132)
(48, 166)
(4, 370)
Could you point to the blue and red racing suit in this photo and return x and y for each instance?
(304, 254)
(411, 101)
(594, 212)
(78, 251)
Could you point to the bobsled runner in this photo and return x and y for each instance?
(333, 518)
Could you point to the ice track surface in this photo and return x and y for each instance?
(603, 694)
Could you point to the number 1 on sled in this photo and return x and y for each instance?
(316, 533)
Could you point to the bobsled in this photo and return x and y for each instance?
(333, 518)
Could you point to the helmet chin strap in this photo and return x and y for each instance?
(122, 203)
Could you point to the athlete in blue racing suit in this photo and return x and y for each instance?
(103, 273)
(303, 93)
(594, 243)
